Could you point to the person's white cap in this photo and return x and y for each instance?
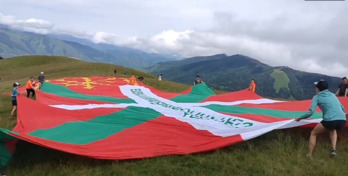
(42, 73)
(16, 84)
(316, 82)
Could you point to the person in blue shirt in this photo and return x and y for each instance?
(334, 117)
(14, 97)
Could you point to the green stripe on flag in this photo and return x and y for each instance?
(5, 154)
(98, 128)
(260, 111)
(65, 92)
(198, 93)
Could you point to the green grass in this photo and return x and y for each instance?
(281, 79)
(280, 152)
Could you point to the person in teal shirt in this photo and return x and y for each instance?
(14, 97)
(334, 117)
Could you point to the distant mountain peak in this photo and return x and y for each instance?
(15, 42)
(232, 73)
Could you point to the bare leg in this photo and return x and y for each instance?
(313, 138)
(13, 110)
(333, 137)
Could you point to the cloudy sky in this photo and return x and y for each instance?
(306, 35)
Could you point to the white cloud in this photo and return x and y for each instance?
(31, 24)
(103, 37)
(169, 40)
(109, 38)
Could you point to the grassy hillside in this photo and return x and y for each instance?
(281, 80)
(21, 68)
(281, 84)
(281, 152)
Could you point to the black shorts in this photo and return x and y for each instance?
(14, 102)
(334, 125)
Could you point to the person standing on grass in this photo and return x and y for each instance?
(41, 79)
(252, 86)
(160, 77)
(133, 80)
(342, 90)
(14, 95)
(30, 87)
(141, 78)
(334, 117)
(115, 72)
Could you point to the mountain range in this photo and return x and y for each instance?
(221, 72)
(18, 43)
(232, 73)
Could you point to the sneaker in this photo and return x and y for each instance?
(333, 153)
(308, 155)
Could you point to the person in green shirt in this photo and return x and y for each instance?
(334, 117)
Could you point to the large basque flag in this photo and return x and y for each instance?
(105, 118)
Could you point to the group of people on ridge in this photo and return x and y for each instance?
(252, 86)
(30, 87)
(132, 79)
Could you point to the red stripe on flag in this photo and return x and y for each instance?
(150, 139)
(11, 145)
(303, 105)
(52, 99)
(32, 115)
(259, 118)
(234, 96)
(285, 106)
(167, 95)
(163, 136)
(101, 86)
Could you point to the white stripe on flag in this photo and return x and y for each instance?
(233, 103)
(199, 117)
(202, 118)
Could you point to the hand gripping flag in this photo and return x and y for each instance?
(104, 118)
